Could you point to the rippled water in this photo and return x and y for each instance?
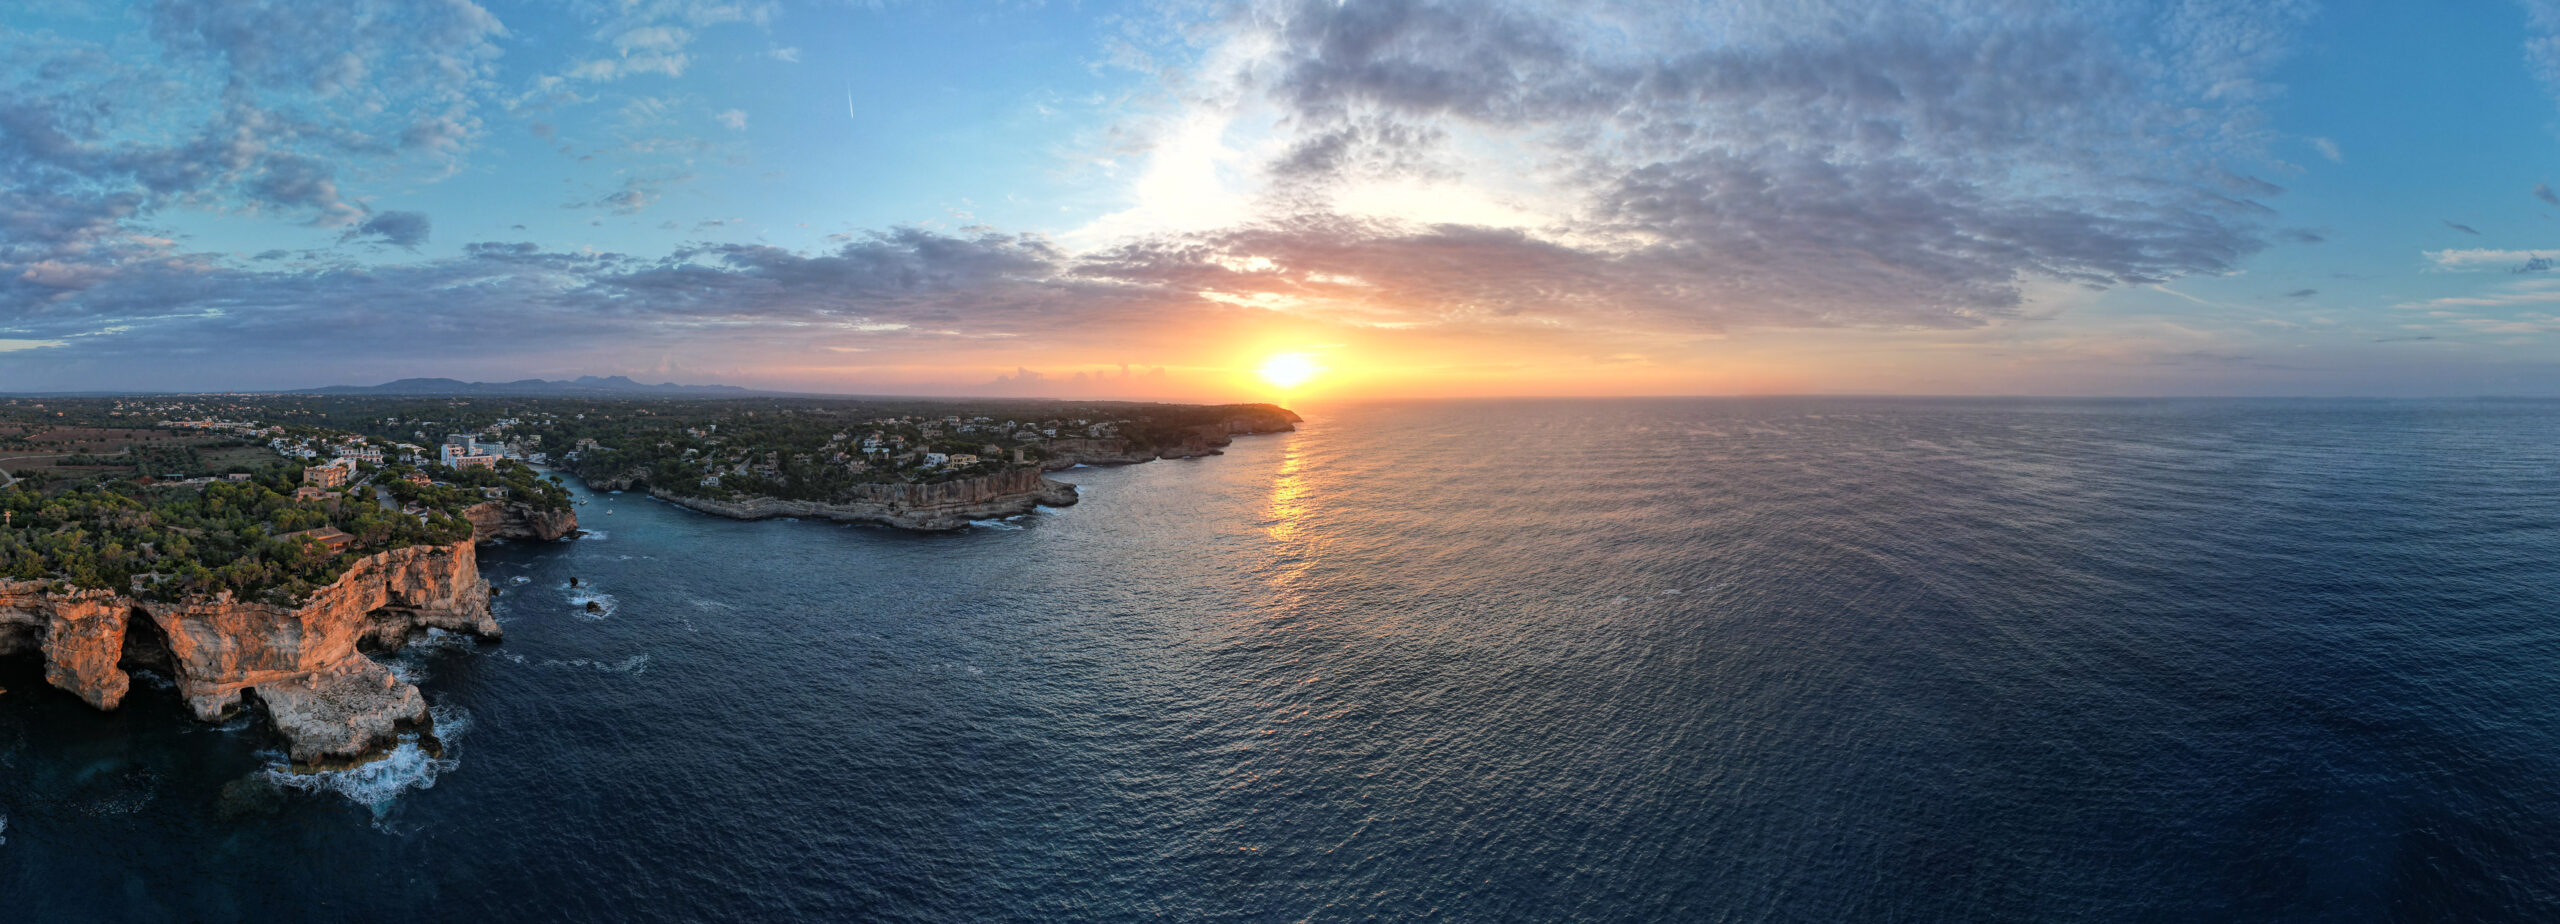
(1570, 660)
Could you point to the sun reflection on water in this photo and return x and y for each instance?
(1285, 516)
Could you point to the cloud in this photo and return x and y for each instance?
(1122, 379)
(257, 107)
(2477, 259)
(2543, 192)
(2302, 293)
(1726, 167)
(902, 292)
(1618, 167)
(2542, 43)
(2466, 229)
(58, 275)
(2328, 149)
(608, 69)
(398, 229)
(629, 199)
(654, 37)
(300, 183)
(637, 193)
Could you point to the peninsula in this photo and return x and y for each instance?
(934, 468)
(259, 552)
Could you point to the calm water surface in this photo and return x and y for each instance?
(1699, 660)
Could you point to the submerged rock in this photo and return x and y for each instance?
(254, 794)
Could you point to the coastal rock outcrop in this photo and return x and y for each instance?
(509, 520)
(941, 506)
(84, 638)
(306, 664)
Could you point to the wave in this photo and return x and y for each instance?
(605, 605)
(378, 784)
(126, 793)
(585, 593)
(635, 664)
(995, 524)
(410, 665)
(593, 535)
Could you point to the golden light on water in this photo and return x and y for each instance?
(1290, 370)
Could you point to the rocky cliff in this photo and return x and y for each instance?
(944, 506)
(506, 520)
(305, 664)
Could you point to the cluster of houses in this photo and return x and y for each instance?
(343, 448)
(893, 448)
(237, 426)
(899, 442)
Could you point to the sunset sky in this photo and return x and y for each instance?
(1413, 198)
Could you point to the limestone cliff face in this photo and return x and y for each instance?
(501, 520)
(945, 506)
(305, 663)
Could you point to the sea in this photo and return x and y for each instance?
(1721, 660)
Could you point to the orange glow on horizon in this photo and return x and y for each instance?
(1290, 370)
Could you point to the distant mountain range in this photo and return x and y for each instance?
(582, 386)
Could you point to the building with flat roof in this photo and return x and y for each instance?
(335, 539)
(331, 475)
(466, 454)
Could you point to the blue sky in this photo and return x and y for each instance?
(1497, 197)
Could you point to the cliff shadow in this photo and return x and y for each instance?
(21, 638)
(145, 646)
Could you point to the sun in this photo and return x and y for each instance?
(1290, 370)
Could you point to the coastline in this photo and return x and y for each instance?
(950, 505)
(947, 506)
